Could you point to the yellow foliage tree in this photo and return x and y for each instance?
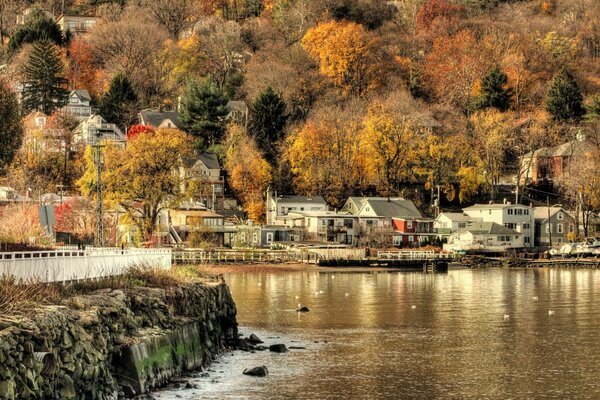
(347, 54)
(249, 173)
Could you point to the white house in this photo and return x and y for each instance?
(77, 24)
(325, 226)
(378, 212)
(79, 104)
(513, 216)
(95, 128)
(204, 171)
(278, 207)
(484, 237)
(448, 222)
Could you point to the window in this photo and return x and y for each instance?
(409, 224)
(397, 240)
(527, 239)
(74, 100)
(411, 239)
(510, 211)
(243, 237)
(269, 237)
(571, 228)
(549, 228)
(510, 225)
(72, 25)
(461, 225)
(503, 238)
(40, 121)
(519, 211)
(367, 209)
(559, 216)
(526, 212)
(348, 223)
(255, 237)
(559, 228)
(526, 225)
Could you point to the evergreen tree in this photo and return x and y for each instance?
(593, 109)
(268, 122)
(494, 92)
(564, 100)
(203, 112)
(11, 131)
(37, 28)
(119, 103)
(44, 79)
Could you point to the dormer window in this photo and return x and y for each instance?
(74, 100)
(40, 121)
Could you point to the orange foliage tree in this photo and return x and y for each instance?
(82, 73)
(438, 16)
(249, 173)
(347, 54)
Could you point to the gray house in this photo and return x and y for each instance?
(260, 236)
(552, 224)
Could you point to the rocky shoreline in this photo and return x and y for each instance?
(480, 262)
(113, 344)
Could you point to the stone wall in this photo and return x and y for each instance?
(114, 342)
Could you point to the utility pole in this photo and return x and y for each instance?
(99, 163)
(549, 223)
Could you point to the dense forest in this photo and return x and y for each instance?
(345, 97)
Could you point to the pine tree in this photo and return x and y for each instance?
(37, 28)
(119, 103)
(203, 112)
(564, 100)
(593, 109)
(11, 132)
(494, 93)
(268, 121)
(44, 79)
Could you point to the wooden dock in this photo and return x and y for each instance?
(426, 261)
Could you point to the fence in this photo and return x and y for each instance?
(413, 255)
(67, 265)
(221, 256)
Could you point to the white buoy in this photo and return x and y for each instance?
(550, 312)
(299, 305)
(259, 284)
(506, 317)
(297, 297)
(535, 298)
(347, 294)
(320, 292)
(414, 307)
(332, 276)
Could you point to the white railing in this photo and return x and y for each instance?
(413, 255)
(68, 265)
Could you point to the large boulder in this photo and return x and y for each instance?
(303, 309)
(257, 371)
(278, 348)
(254, 339)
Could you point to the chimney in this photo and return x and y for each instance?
(505, 201)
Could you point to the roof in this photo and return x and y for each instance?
(318, 214)
(489, 228)
(568, 149)
(457, 217)
(83, 94)
(198, 213)
(494, 206)
(155, 118)
(541, 213)
(210, 160)
(301, 199)
(384, 207)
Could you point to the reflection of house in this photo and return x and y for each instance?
(161, 119)
(512, 216)
(79, 104)
(325, 226)
(447, 222)
(95, 129)
(260, 236)
(204, 172)
(412, 231)
(76, 24)
(278, 207)
(484, 237)
(552, 223)
(551, 163)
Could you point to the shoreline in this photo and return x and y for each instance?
(216, 269)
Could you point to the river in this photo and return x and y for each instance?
(467, 334)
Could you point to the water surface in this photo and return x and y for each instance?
(467, 334)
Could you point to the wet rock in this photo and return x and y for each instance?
(278, 348)
(261, 371)
(303, 309)
(297, 348)
(254, 339)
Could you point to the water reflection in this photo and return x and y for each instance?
(412, 335)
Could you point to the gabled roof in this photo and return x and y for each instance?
(494, 206)
(488, 228)
(83, 94)
(457, 217)
(389, 208)
(301, 199)
(541, 213)
(155, 118)
(210, 160)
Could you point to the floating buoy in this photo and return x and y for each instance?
(535, 298)
(347, 294)
(506, 317)
(550, 312)
(414, 307)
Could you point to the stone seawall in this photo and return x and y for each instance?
(114, 343)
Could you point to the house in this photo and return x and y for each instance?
(76, 24)
(412, 231)
(278, 207)
(204, 172)
(260, 236)
(448, 222)
(484, 237)
(379, 211)
(8, 194)
(161, 119)
(552, 224)
(198, 225)
(513, 216)
(324, 226)
(551, 163)
(79, 104)
(94, 129)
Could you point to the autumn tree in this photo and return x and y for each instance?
(347, 54)
(564, 100)
(142, 178)
(44, 79)
(11, 131)
(494, 92)
(267, 122)
(119, 103)
(82, 72)
(452, 68)
(173, 15)
(203, 111)
(438, 17)
(249, 173)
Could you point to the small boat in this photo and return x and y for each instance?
(587, 247)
